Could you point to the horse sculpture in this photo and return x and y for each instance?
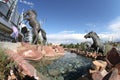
(30, 16)
(97, 44)
(86, 45)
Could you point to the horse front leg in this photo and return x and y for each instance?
(44, 36)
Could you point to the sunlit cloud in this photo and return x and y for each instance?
(27, 3)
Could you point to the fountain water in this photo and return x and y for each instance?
(69, 67)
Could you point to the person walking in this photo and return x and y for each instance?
(15, 33)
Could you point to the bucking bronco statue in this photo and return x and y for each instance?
(97, 44)
(30, 16)
(86, 45)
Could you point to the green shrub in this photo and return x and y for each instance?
(5, 64)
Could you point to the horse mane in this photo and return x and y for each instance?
(96, 34)
(32, 11)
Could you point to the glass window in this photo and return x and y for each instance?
(4, 9)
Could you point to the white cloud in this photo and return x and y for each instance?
(78, 37)
(108, 37)
(66, 32)
(113, 34)
(27, 3)
(115, 25)
(91, 25)
(66, 37)
(113, 30)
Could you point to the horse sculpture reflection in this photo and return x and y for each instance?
(30, 16)
(97, 44)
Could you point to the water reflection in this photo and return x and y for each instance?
(69, 67)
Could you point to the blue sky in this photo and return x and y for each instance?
(67, 21)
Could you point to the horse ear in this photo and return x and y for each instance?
(90, 32)
(34, 12)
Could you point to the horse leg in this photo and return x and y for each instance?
(36, 36)
(44, 36)
(97, 49)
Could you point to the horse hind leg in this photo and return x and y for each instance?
(97, 49)
(35, 40)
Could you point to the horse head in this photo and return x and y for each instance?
(89, 35)
(28, 13)
(25, 14)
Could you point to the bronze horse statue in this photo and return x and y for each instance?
(30, 16)
(97, 44)
(86, 45)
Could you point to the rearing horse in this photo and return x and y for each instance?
(97, 44)
(30, 16)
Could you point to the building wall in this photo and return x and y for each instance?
(9, 11)
(3, 9)
(9, 16)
